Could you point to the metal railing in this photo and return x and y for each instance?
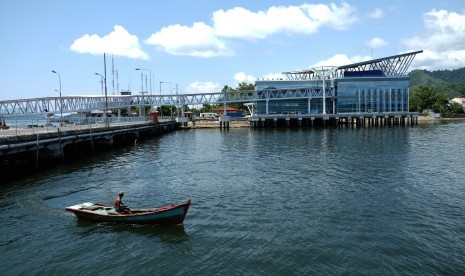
(18, 127)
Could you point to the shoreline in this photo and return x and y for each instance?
(429, 119)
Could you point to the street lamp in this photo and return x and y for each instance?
(171, 101)
(141, 81)
(61, 102)
(106, 99)
(177, 100)
(101, 82)
(161, 98)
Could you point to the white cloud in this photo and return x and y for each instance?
(243, 77)
(198, 41)
(202, 40)
(376, 13)
(433, 60)
(305, 19)
(342, 18)
(119, 42)
(203, 87)
(443, 42)
(341, 59)
(376, 42)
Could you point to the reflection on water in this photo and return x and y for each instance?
(167, 234)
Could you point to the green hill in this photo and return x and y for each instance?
(450, 83)
(456, 76)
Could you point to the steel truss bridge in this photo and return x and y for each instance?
(393, 66)
(69, 104)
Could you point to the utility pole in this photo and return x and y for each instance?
(106, 94)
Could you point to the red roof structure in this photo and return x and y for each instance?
(228, 110)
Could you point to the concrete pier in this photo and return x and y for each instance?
(36, 146)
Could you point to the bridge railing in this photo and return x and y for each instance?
(41, 121)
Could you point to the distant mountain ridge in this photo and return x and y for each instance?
(450, 83)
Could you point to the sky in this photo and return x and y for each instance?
(201, 46)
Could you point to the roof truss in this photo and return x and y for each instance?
(392, 66)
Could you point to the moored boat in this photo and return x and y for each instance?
(167, 215)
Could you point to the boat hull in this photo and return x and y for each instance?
(166, 215)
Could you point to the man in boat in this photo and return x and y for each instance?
(119, 205)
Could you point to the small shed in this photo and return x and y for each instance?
(189, 114)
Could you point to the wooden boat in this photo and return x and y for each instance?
(166, 215)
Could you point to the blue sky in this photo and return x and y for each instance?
(200, 46)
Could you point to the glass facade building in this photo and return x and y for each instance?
(376, 86)
(372, 95)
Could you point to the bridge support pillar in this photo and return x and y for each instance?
(224, 122)
(254, 123)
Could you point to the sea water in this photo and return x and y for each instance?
(317, 201)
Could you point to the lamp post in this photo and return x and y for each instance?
(171, 101)
(106, 100)
(161, 109)
(177, 100)
(101, 82)
(61, 102)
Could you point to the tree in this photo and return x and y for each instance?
(441, 105)
(456, 108)
(165, 110)
(206, 108)
(422, 98)
(245, 86)
(426, 98)
(226, 88)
